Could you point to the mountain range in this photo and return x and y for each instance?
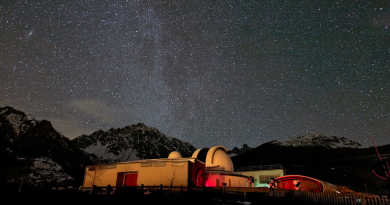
(131, 143)
(318, 140)
(33, 151)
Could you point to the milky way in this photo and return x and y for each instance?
(207, 72)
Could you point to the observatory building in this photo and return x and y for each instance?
(207, 167)
(219, 169)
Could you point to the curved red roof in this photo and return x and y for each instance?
(308, 183)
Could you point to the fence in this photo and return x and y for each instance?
(262, 167)
(326, 198)
(139, 189)
(260, 197)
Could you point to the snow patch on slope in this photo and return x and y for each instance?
(102, 151)
(15, 121)
(45, 169)
(18, 121)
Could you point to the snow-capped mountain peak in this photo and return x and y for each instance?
(318, 140)
(131, 143)
(18, 120)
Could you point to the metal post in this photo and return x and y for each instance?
(388, 184)
(21, 183)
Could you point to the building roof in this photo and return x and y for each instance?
(216, 158)
(323, 186)
(174, 155)
(152, 160)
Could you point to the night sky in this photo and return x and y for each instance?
(206, 72)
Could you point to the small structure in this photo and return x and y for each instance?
(262, 174)
(304, 183)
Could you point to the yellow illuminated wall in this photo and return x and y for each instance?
(149, 174)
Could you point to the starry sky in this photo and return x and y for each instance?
(206, 72)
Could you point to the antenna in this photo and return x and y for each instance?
(376, 148)
(385, 165)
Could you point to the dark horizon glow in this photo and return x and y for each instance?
(220, 72)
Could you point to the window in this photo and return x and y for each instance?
(177, 164)
(146, 164)
(100, 167)
(112, 166)
(158, 164)
(265, 179)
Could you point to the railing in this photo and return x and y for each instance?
(277, 196)
(261, 167)
(138, 189)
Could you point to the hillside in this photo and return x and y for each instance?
(34, 150)
(318, 140)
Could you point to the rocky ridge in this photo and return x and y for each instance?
(131, 143)
(321, 140)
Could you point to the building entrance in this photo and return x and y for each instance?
(131, 179)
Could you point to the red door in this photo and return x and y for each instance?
(199, 177)
(131, 179)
